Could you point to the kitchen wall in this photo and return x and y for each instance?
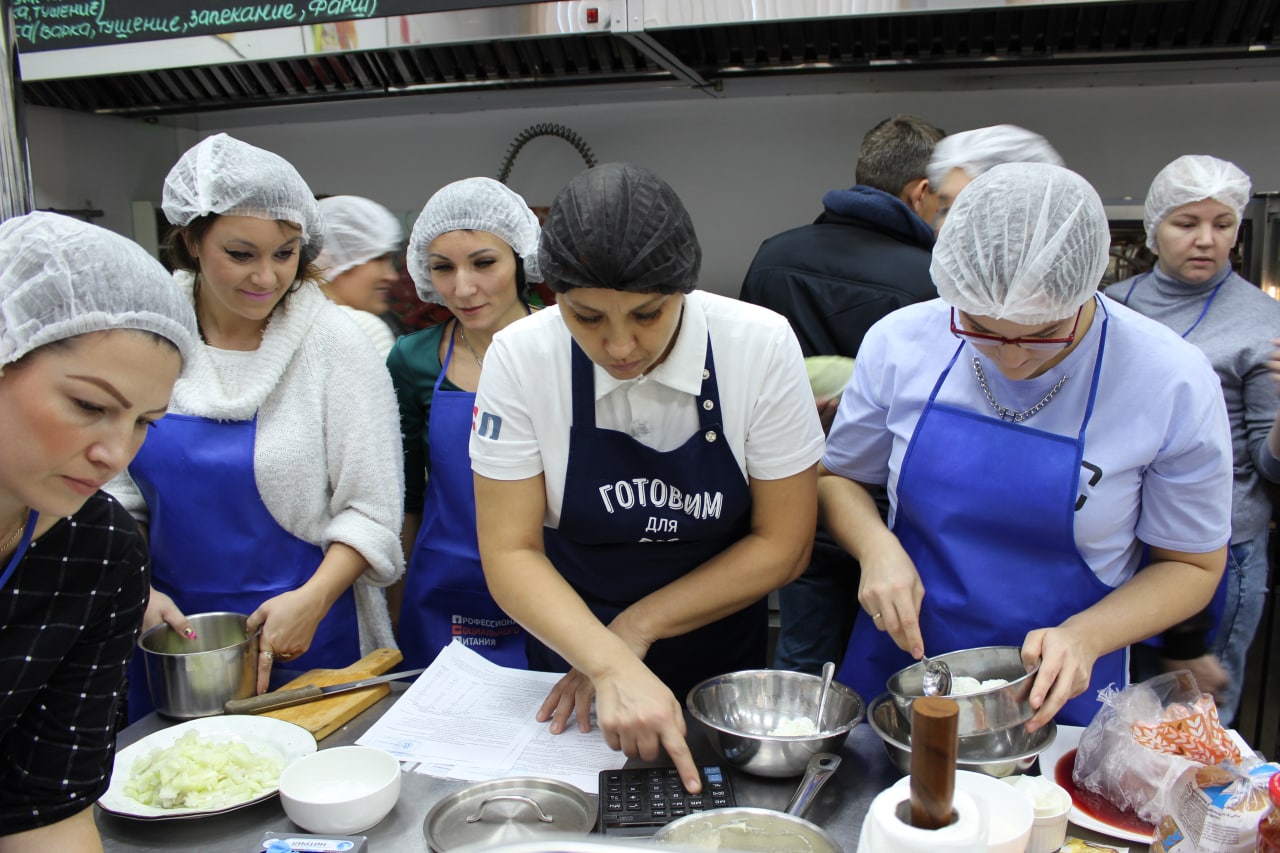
(747, 167)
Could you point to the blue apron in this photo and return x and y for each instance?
(997, 555)
(635, 519)
(21, 551)
(214, 544)
(445, 595)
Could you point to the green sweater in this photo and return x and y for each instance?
(414, 363)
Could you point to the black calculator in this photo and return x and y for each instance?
(637, 801)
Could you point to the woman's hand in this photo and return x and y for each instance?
(827, 407)
(1210, 675)
(890, 592)
(638, 714)
(288, 622)
(1066, 663)
(573, 693)
(161, 609)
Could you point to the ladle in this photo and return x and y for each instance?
(828, 672)
(937, 677)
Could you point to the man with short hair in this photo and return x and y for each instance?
(866, 254)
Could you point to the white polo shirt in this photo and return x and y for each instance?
(520, 427)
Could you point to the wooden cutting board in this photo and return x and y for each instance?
(323, 717)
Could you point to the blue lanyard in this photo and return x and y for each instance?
(22, 549)
(1203, 311)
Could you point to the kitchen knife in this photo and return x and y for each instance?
(298, 695)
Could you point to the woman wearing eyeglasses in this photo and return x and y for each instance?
(1040, 447)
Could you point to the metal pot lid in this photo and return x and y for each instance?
(504, 811)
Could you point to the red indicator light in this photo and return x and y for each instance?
(593, 15)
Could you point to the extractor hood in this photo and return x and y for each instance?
(697, 45)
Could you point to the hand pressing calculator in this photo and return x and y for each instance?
(637, 801)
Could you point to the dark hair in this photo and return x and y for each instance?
(177, 255)
(896, 152)
(71, 341)
(522, 281)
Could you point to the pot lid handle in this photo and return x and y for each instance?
(516, 798)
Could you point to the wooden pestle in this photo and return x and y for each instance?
(934, 741)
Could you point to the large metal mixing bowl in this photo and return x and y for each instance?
(1000, 753)
(994, 709)
(194, 677)
(740, 709)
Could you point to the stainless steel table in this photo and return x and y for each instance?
(864, 772)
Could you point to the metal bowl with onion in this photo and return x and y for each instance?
(194, 677)
(987, 710)
(1000, 753)
(745, 714)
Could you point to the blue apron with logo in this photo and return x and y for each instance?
(445, 595)
(996, 554)
(214, 544)
(635, 519)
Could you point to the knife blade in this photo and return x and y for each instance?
(308, 693)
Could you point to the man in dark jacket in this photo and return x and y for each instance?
(866, 255)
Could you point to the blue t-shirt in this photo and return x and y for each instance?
(1157, 452)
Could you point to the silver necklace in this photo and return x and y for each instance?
(1004, 412)
(463, 334)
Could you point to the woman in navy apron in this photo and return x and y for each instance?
(273, 484)
(645, 466)
(473, 248)
(93, 334)
(983, 548)
(1192, 215)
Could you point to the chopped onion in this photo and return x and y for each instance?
(198, 773)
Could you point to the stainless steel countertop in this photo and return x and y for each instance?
(839, 808)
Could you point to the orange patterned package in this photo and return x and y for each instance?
(1192, 731)
(1145, 737)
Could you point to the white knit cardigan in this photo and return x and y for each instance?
(327, 456)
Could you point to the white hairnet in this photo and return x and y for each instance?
(356, 230)
(978, 150)
(1025, 242)
(1192, 178)
(473, 204)
(60, 277)
(223, 175)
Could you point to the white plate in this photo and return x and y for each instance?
(264, 735)
(1068, 737)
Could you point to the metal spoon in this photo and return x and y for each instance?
(937, 677)
(828, 671)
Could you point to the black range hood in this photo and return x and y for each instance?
(698, 46)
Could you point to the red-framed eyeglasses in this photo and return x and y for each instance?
(984, 340)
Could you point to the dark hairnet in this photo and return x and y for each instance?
(619, 227)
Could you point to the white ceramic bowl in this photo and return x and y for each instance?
(343, 791)
(1010, 812)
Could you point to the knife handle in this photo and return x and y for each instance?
(271, 701)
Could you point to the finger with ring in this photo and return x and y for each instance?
(267, 653)
(874, 618)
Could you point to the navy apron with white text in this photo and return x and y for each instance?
(985, 510)
(214, 544)
(635, 519)
(445, 595)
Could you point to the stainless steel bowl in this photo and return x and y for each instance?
(987, 710)
(1000, 753)
(191, 678)
(740, 709)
